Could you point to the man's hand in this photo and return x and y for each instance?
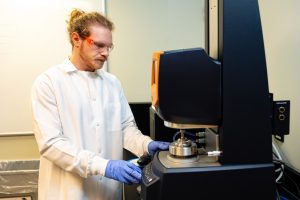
(155, 146)
(123, 171)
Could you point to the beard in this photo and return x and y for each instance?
(91, 61)
(98, 63)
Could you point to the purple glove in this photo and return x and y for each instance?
(155, 146)
(123, 171)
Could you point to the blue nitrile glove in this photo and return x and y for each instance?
(123, 171)
(155, 146)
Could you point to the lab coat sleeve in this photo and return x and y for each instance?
(134, 140)
(52, 143)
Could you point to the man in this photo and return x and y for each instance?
(82, 120)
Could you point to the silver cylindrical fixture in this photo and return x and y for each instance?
(183, 148)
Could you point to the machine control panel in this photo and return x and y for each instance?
(148, 176)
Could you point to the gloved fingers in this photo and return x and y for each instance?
(163, 145)
(123, 171)
(132, 173)
(134, 167)
(155, 146)
(128, 179)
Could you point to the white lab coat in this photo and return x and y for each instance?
(81, 120)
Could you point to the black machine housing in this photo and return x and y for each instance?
(235, 90)
(186, 76)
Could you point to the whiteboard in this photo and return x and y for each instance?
(33, 37)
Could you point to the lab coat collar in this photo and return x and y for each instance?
(68, 67)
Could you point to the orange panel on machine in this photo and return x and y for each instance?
(155, 76)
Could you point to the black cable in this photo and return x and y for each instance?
(290, 193)
(277, 195)
(280, 162)
(297, 188)
(284, 176)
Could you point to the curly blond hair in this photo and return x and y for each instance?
(80, 21)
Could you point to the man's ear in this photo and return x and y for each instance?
(76, 39)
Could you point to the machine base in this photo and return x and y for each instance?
(234, 182)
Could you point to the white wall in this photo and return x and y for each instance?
(281, 29)
(144, 26)
(33, 37)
